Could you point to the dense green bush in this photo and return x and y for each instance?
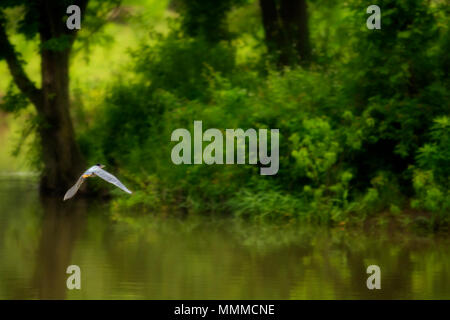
(181, 64)
(431, 177)
(357, 136)
(399, 85)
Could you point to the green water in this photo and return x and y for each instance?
(144, 257)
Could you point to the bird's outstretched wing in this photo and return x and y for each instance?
(110, 178)
(72, 191)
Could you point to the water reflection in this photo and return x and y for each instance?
(144, 257)
(61, 224)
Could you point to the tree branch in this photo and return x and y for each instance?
(15, 67)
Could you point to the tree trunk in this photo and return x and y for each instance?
(62, 159)
(286, 30)
(274, 37)
(295, 23)
(63, 162)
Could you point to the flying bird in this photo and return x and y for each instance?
(95, 171)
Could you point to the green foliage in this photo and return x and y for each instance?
(61, 43)
(398, 80)
(26, 19)
(435, 155)
(207, 19)
(119, 130)
(267, 206)
(431, 178)
(363, 130)
(181, 64)
(13, 101)
(430, 195)
(317, 151)
(146, 197)
(346, 141)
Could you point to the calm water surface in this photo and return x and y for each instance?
(143, 257)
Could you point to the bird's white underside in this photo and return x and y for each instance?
(96, 171)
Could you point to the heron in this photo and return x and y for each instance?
(95, 171)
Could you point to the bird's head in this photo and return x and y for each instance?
(100, 165)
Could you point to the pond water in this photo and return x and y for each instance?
(131, 256)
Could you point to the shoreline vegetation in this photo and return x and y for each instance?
(364, 125)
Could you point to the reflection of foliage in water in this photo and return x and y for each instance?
(195, 257)
(310, 262)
